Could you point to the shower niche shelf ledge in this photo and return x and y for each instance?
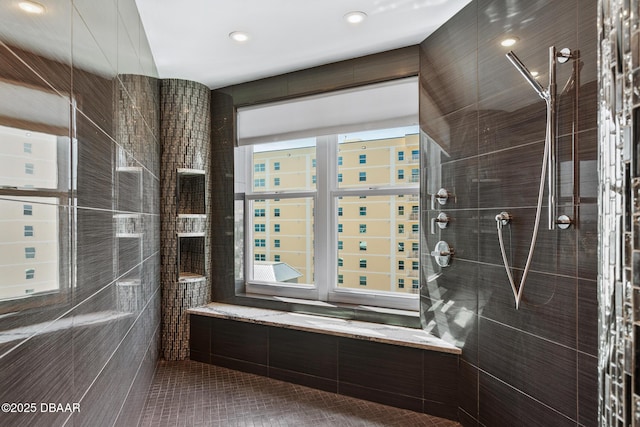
(191, 259)
(191, 192)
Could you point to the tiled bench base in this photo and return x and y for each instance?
(345, 357)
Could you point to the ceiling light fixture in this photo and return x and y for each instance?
(509, 41)
(239, 36)
(355, 17)
(31, 7)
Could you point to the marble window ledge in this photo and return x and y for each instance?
(355, 329)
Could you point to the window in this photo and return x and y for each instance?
(401, 283)
(276, 258)
(260, 257)
(415, 175)
(400, 156)
(415, 284)
(259, 167)
(415, 228)
(400, 210)
(27, 147)
(400, 228)
(363, 280)
(400, 173)
(259, 228)
(259, 212)
(415, 265)
(28, 168)
(260, 243)
(400, 265)
(29, 253)
(415, 246)
(276, 166)
(319, 206)
(259, 182)
(415, 155)
(30, 273)
(400, 246)
(27, 209)
(276, 243)
(28, 231)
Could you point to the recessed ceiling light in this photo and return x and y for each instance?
(509, 41)
(31, 7)
(239, 36)
(355, 17)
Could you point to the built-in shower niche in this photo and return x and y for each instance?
(191, 258)
(129, 188)
(191, 192)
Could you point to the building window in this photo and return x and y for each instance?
(363, 263)
(415, 228)
(30, 273)
(259, 212)
(415, 265)
(276, 243)
(29, 253)
(28, 168)
(340, 262)
(363, 210)
(27, 147)
(415, 175)
(400, 246)
(314, 180)
(276, 212)
(400, 228)
(400, 173)
(276, 258)
(401, 283)
(415, 284)
(363, 246)
(339, 228)
(340, 161)
(362, 176)
(400, 265)
(400, 156)
(340, 211)
(276, 228)
(363, 280)
(340, 245)
(363, 228)
(259, 182)
(260, 243)
(276, 166)
(415, 246)
(415, 155)
(258, 167)
(362, 159)
(340, 279)
(27, 209)
(276, 182)
(339, 177)
(28, 231)
(313, 163)
(400, 210)
(259, 228)
(260, 257)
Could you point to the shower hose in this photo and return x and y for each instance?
(517, 290)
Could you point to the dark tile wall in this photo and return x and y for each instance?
(409, 378)
(95, 341)
(484, 137)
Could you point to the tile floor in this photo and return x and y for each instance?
(190, 393)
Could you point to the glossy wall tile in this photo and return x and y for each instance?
(484, 143)
(91, 337)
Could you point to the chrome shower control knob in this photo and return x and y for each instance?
(442, 220)
(442, 253)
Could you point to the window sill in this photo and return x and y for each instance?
(383, 333)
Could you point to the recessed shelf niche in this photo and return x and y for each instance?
(191, 259)
(191, 192)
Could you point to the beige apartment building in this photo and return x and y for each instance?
(29, 241)
(377, 235)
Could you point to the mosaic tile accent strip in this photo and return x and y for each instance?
(187, 393)
(185, 205)
(619, 208)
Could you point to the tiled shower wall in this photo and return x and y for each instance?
(83, 71)
(484, 130)
(618, 281)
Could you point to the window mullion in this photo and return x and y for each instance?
(324, 220)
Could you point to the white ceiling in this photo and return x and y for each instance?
(189, 38)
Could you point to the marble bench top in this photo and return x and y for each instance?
(388, 334)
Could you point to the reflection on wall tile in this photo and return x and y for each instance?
(94, 341)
